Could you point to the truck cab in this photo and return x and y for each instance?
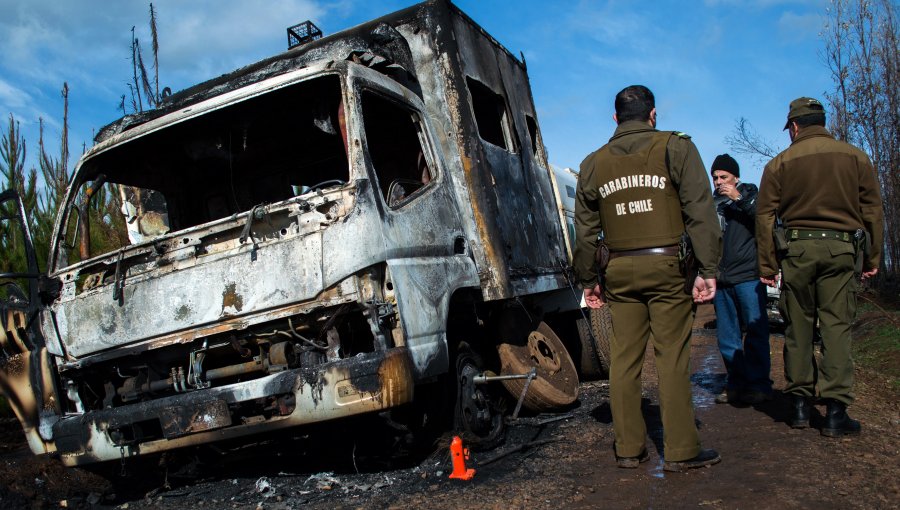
(320, 234)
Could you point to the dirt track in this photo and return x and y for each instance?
(568, 465)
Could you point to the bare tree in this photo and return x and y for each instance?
(136, 91)
(145, 80)
(746, 140)
(862, 52)
(141, 87)
(55, 171)
(155, 47)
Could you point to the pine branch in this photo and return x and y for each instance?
(145, 81)
(136, 91)
(155, 47)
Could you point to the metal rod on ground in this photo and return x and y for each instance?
(484, 379)
(516, 449)
(531, 376)
(556, 418)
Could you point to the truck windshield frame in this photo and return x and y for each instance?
(260, 149)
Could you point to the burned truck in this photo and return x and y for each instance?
(364, 223)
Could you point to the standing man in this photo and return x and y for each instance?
(740, 297)
(826, 194)
(643, 189)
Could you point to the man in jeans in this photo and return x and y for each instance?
(740, 299)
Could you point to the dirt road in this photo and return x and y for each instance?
(548, 461)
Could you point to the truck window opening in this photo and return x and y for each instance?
(263, 150)
(490, 114)
(392, 138)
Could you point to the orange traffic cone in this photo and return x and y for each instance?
(459, 456)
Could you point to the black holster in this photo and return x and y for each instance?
(862, 247)
(687, 262)
(602, 258)
(779, 236)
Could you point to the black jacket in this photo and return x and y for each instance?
(738, 221)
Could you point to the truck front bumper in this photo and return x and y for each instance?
(361, 384)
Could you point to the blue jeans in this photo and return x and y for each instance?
(746, 357)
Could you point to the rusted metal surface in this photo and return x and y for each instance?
(181, 421)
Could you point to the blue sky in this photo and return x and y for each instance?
(708, 62)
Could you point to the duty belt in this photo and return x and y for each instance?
(671, 251)
(797, 234)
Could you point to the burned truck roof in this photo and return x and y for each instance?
(374, 43)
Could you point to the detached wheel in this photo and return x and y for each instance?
(601, 327)
(478, 415)
(556, 384)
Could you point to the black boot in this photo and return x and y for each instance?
(702, 459)
(800, 415)
(838, 422)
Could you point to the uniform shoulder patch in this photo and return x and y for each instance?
(681, 134)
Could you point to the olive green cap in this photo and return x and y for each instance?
(803, 106)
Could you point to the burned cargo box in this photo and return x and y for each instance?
(320, 234)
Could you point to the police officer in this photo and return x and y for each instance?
(827, 196)
(643, 189)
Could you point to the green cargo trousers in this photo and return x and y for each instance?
(818, 281)
(646, 295)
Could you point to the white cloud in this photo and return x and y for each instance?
(793, 26)
(12, 97)
(193, 48)
(612, 23)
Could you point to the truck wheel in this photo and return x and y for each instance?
(478, 416)
(556, 384)
(589, 362)
(601, 327)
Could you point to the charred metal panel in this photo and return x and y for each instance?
(425, 245)
(193, 290)
(423, 288)
(437, 64)
(533, 241)
(362, 384)
(431, 44)
(495, 189)
(183, 420)
(282, 272)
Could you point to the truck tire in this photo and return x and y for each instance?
(556, 384)
(589, 361)
(478, 411)
(601, 327)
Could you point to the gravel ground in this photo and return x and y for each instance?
(561, 460)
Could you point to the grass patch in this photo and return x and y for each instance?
(876, 346)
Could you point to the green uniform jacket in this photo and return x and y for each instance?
(688, 175)
(818, 183)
